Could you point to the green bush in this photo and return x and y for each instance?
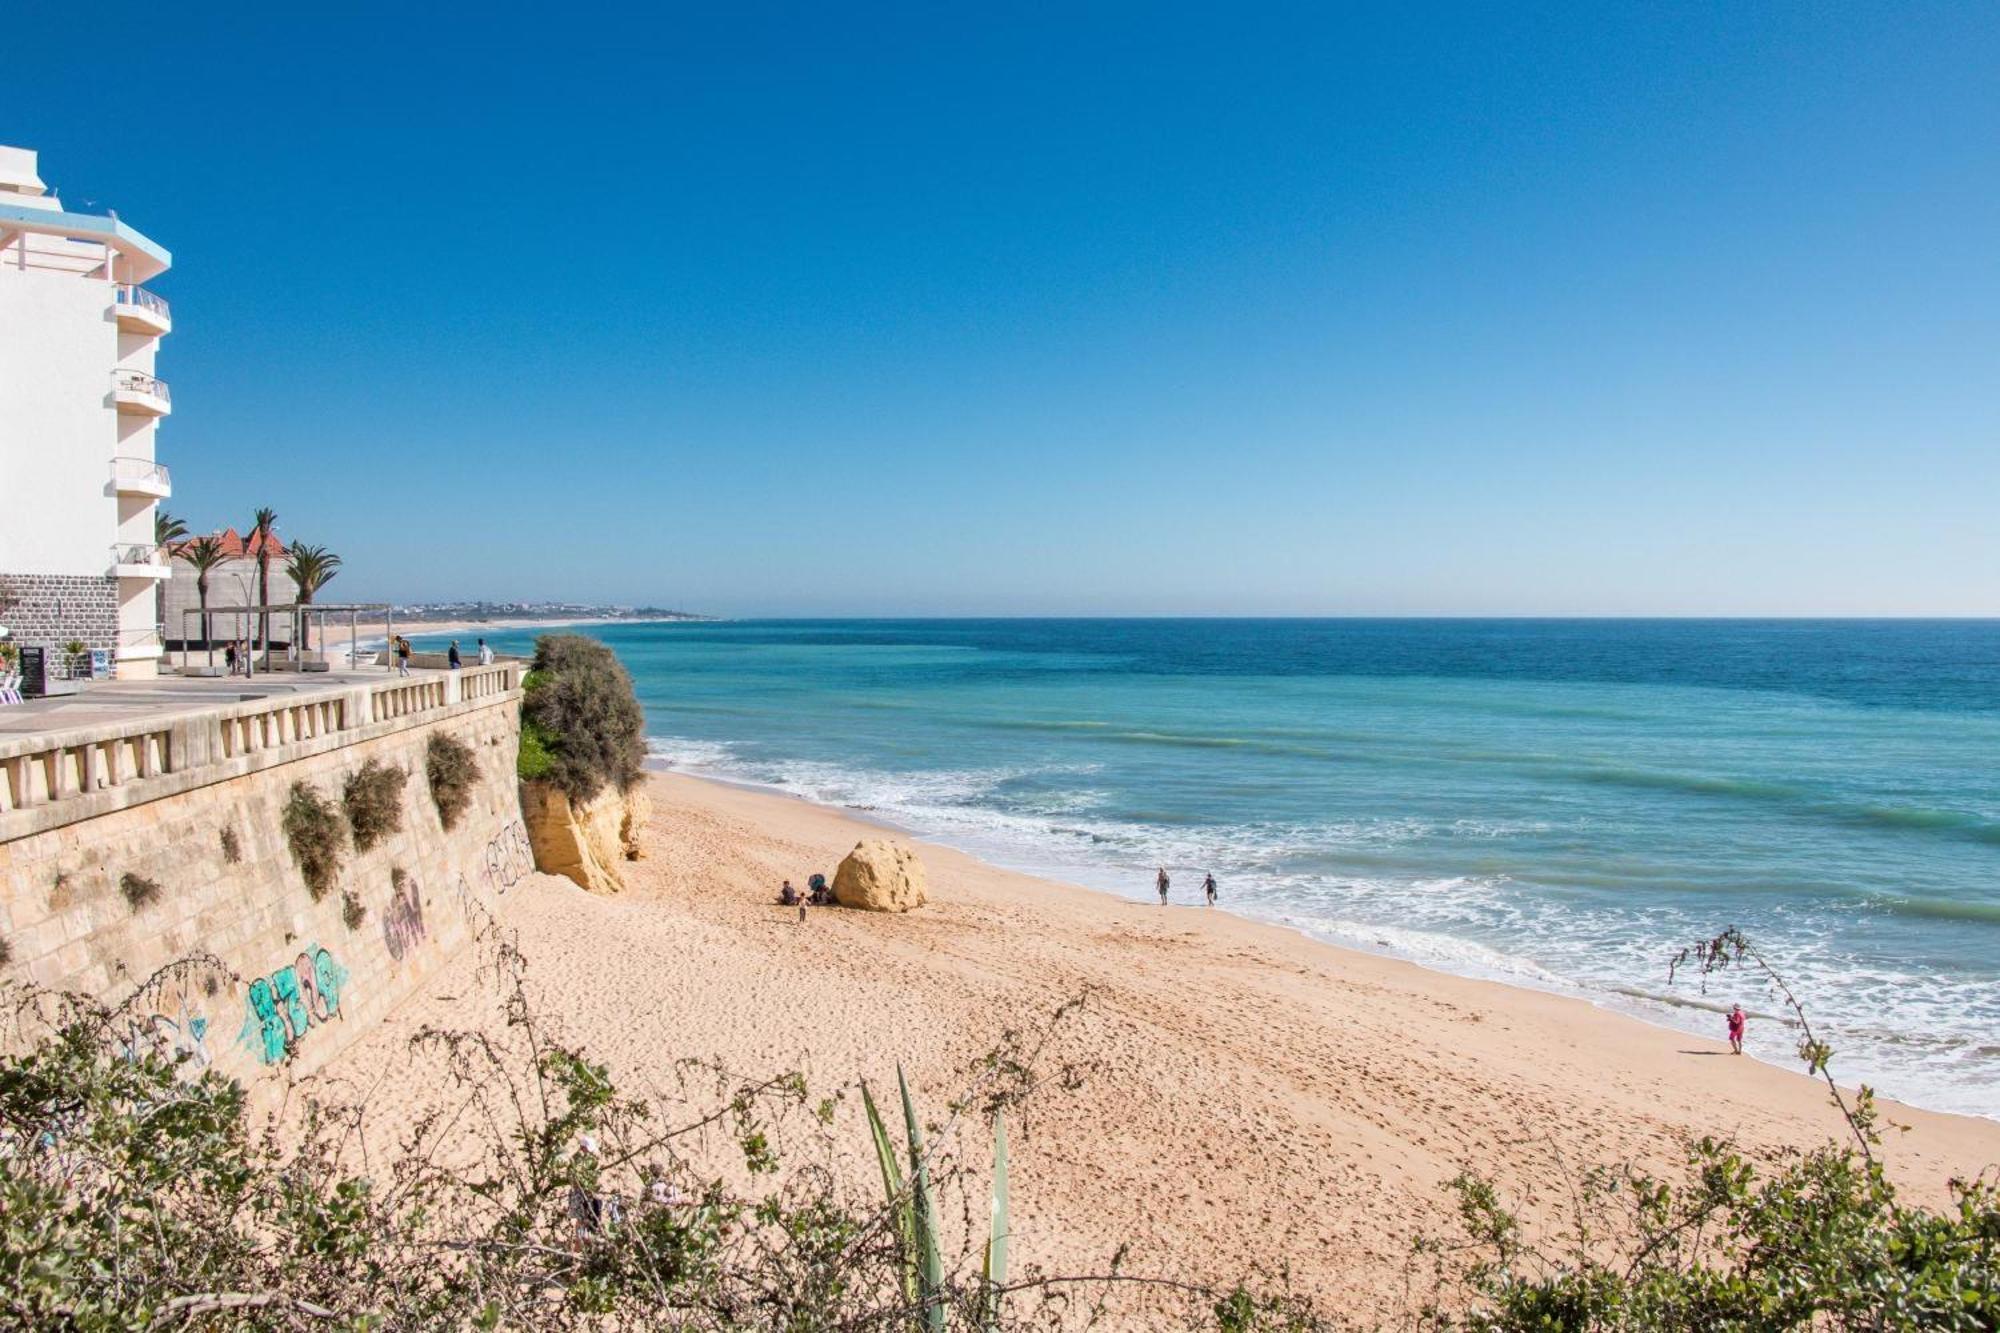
(316, 831)
(534, 761)
(453, 772)
(582, 726)
(138, 890)
(373, 799)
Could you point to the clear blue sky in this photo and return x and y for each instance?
(1071, 309)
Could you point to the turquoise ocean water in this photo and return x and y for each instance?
(1558, 804)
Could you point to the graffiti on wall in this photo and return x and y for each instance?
(287, 1004)
(167, 1017)
(508, 857)
(174, 1029)
(403, 919)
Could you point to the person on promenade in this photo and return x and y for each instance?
(485, 654)
(1208, 888)
(1161, 882)
(1737, 1019)
(229, 657)
(402, 656)
(452, 658)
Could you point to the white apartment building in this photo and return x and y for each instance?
(79, 408)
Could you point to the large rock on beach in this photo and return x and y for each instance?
(880, 876)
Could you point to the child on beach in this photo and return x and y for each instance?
(1208, 887)
(1736, 1022)
(1163, 882)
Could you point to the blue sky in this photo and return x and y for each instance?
(1072, 309)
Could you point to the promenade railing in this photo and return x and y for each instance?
(54, 778)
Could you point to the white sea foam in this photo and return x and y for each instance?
(1923, 1037)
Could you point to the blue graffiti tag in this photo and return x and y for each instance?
(289, 1002)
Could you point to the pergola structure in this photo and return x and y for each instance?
(301, 614)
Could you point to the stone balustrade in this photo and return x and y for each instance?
(55, 778)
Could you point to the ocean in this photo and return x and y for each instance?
(1555, 804)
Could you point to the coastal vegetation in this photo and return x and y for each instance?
(452, 773)
(137, 1192)
(263, 526)
(139, 890)
(373, 799)
(316, 831)
(310, 568)
(581, 724)
(203, 555)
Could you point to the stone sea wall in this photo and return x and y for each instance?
(102, 904)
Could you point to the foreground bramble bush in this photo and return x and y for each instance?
(135, 1193)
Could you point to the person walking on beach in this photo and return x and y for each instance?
(1162, 883)
(402, 656)
(452, 658)
(485, 654)
(1208, 888)
(1737, 1019)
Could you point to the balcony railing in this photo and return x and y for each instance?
(133, 381)
(144, 300)
(137, 553)
(141, 474)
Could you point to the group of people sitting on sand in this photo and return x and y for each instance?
(818, 894)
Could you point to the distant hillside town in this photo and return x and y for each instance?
(478, 611)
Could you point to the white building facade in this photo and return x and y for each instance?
(80, 407)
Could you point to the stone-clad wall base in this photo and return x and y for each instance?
(52, 609)
(300, 983)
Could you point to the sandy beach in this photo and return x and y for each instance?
(1244, 1095)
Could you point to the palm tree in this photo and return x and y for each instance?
(310, 569)
(166, 531)
(261, 526)
(203, 554)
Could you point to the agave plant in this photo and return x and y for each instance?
(914, 1214)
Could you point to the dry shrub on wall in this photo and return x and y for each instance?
(352, 913)
(373, 798)
(317, 833)
(453, 773)
(138, 889)
(232, 847)
(580, 721)
(6, 951)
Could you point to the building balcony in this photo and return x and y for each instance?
(141, 476)
(139, 560)
(134, 393)
(139, 311)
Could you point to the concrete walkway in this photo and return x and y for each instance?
(120, 700)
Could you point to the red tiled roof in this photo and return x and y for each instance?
(234, 547)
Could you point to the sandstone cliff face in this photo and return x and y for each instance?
(585, 842)
(880, 876)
